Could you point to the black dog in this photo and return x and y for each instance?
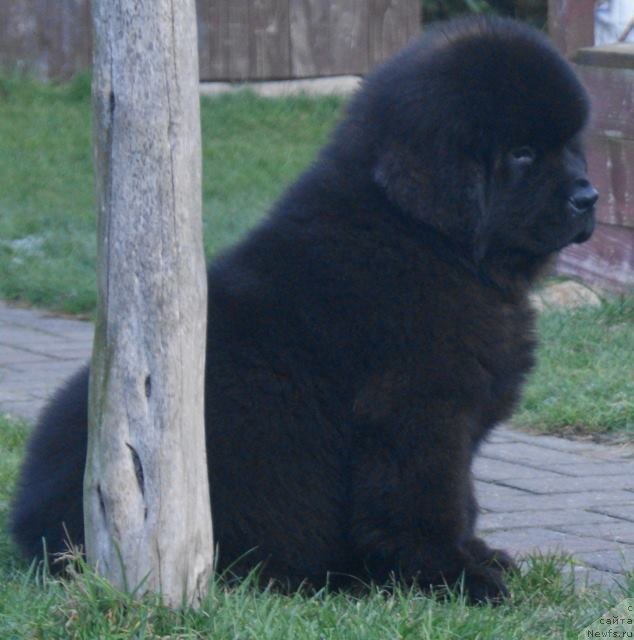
(365, 337)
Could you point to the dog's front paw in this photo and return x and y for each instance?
(489, 557)
(483, 585)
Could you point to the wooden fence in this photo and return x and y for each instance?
(608, 73)
(50, 38)
(237, 39)
(608, 259)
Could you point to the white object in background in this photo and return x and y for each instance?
(612, 20)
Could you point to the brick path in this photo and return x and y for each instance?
(537, 493)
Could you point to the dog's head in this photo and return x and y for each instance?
(476, 132)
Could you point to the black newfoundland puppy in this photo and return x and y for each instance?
(367, 335)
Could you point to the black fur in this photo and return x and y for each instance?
(365, 338)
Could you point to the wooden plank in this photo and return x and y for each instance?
(610, 163)
(606, 260)
(41, 54)
(349, 37)
(19, 37)
(48, 43)
(310, 42)
(328, 38)
(619, 56)
(50, 28)
(571, 24)
(392, 24)
(612, 92)
(68, 35)
(209, 60)
(235, 41)
(270, 45)
(223, 47)
(82, 54)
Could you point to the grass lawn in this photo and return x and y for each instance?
(543, 604)
(252, 148)
(584, 379)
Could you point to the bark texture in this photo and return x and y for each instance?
(146, 494)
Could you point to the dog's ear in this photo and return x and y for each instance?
(412, 180)
(406, 180)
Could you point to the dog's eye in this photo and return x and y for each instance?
(522, 156)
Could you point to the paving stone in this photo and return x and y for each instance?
(557, 484)
(621, 511)
(603, 502)
(12, 356)
(26, 410)
(609, 452)
(494, 493)
(48, 372)
(37, 389)
(585, 577)
(16, 395)
(577, 518)
(59, 350)
(64, 354)
(15, 334)
(499, 435)
(616, 530)
(617, 467)
(41, 321)
(492, 469)
(537, 539)
(60, 327)
(555, 442)
(524, 453)
(507, 432)
(10, 392)
(616, 560)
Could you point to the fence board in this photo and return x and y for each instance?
(269, 52)
(18, 33)
(391, 24)
(238, 39)
(47, 43)
(69, 33)
(607, 259)
(612, 92)
(571, 24)
(235, 39)
(223, 39)
(209, 59)
(328, 38)
(610, 162)
(348, 35)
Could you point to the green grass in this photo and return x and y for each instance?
(47, 237)
(252, 148)
(584, 380)
(543, 603)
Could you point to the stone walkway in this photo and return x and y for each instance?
(537, 493)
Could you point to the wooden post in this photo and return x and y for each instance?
(146, 494)
(571, 24)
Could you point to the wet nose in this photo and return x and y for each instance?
(584, 196)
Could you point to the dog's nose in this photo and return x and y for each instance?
(584, 196)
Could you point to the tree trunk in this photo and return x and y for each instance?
(146, 493)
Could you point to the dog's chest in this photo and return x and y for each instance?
(505, 355)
